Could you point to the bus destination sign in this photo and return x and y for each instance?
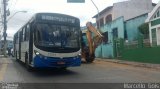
(59, 19)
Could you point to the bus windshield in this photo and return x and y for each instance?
(48, 35)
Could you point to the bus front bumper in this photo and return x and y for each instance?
(41, 61)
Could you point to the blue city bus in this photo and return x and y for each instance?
(49, 40)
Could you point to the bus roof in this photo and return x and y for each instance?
(46, 13)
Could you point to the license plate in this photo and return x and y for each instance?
(61, 63)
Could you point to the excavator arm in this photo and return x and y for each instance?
(93, 42)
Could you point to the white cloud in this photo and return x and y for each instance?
(84, 11)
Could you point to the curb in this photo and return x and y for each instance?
(136, 64)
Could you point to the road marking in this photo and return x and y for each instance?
(3, 70)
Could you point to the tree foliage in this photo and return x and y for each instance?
(144, 28)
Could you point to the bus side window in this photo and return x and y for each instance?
(20, 36)
(23, 34)
(27, 32)
(16, 38)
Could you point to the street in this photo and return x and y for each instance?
(97, 72)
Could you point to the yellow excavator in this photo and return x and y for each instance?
(91, 38)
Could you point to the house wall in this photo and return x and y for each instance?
(128, 9)
(131, 8)
(107, 50)
(131, 26)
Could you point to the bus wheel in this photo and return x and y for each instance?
(16, 56)
(90, 58)
(29, 68)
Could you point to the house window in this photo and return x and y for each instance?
(158, 14)
(101, 22)
(105, 39)
(108, 18)
(155, 16)
(125, 34)
(154, 37)
(97, 24)
(115, 33)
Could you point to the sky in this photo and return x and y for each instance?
(84, 11)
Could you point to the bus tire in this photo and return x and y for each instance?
(16, 56)
(28, 67)
(90, 58)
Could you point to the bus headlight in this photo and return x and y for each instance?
(36, 52)
(79, 55)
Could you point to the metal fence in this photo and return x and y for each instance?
(142, 41)
(137, 44)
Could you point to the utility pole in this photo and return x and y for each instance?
(98, 17)
(5, 26)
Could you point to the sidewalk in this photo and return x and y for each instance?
(136, 64)
(5, 60)
(1, 56)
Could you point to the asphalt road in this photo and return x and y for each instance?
(97, 72)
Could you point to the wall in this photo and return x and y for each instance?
(104, 51)
(107, 50)
(131, 26)
(146, 55)
(131, 8)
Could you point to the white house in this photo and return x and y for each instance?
(154, 25)
(128, 9)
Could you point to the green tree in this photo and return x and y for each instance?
(144, 29)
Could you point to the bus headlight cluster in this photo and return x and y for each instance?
(36, 52)
(79, 55)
